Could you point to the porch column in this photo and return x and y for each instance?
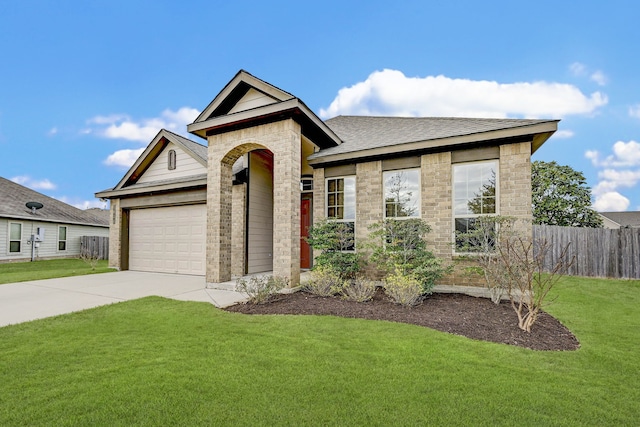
(219, 202)
(286, 203)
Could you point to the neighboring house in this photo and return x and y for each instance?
(629, 219)
(58, 225)
(270, 167)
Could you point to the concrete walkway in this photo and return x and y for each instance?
(25, 301)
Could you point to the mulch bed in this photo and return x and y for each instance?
(476, 318)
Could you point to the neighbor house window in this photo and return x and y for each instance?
(474, 195)
(341, 203)
(15, 237)
(402, 194)
(62, 238)
(172, 159)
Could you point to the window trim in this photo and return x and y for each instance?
(384, 202)
(172, 160)
(355, 205)
(66, 237)
(453, 201)
(9, 239)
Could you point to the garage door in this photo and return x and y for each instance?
(168, 240)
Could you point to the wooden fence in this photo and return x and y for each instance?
(94, 247)
(599, 252)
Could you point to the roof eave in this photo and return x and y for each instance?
(540, 132)
(117, 193)
(55, 221)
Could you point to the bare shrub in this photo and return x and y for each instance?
(359, 290)
(91, 259)
(261, 289)
(324, 282)
(403, 288)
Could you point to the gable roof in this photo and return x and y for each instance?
(624, 219)
(218, 117)
(366, 136)
(13, 198)
(153, 150)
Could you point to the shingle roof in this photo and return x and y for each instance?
(368, 132)
(196, 148)
(625, 219)
(13, 198)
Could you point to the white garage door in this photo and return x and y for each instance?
(168, 240)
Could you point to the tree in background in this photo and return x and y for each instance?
(561, 196)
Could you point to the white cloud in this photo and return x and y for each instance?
(390, 92)
(123, 158)
(578, 69)
(599, 78)
(52, 131)
(625, 154)
(120, 126)
(611, 202)
(82, 204)
(564, 134)
(34, 184)
(634, 111)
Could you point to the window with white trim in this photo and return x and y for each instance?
(341, 202)
(474, 194)
(15, 237)
(402, 193)
(62, 238)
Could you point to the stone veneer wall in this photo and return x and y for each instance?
(238, 229)
(369, 202)
(115, 242)
(283, 139)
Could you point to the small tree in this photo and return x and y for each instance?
(399, 248)
(513, 264)
(336, 242)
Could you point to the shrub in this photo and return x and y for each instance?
(261, 288)
(359, 290)
(324, 282)
(336, 243)
(403, 288)
(401, 245)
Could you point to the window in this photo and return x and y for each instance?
(172, 160)
(402, 194)
(15, 237)
(62, 238)
(474, 192)
(341, 203)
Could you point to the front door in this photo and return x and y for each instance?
(305, 223)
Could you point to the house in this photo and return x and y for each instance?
(628, 219)
(268, 168)
(57, 226)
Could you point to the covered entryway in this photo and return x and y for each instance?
(168, 239)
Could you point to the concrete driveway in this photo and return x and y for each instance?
(25, 301)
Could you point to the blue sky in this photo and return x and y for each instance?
(85, 85)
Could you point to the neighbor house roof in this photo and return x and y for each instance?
(624, 219)
(368, 136)
(13, 198)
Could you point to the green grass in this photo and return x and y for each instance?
(48, 269)
(162, 362)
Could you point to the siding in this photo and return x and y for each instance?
(49, 247)
(252, 99)
(186, 165)
(260, 252)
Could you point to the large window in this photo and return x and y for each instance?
(402, 193)
(474, 193)
(341, 203)
(62, 238)
(15, 237)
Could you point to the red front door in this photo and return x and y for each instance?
(305, 223)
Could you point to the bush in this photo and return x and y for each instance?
(261, 289)
(403, 288)
(359, 290)
(336, 243)
(401, 245)
(324, 282)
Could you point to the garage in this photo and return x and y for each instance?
(168, 239)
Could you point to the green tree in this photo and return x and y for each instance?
(561, 196)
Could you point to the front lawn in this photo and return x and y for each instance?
(162, 362)
(48, 269)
